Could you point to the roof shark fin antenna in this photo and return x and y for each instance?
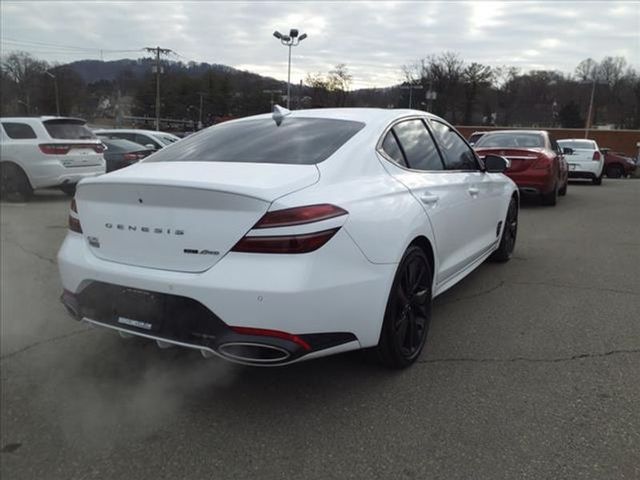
(279, 113)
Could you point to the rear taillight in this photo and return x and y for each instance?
(64, 148)
(303, 243)
(543, 163)
(596, 156)
(290, 217)
(263, 332)
(291, 242)
(54, 148)
(130, 157)
(74, 221)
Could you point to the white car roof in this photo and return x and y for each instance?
(41, 118)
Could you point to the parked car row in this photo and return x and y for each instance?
(58, 152)
(541, 165)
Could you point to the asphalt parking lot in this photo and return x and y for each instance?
(532, 370)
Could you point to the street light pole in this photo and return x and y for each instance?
(55, 86)
(588, 122)
(291, 40)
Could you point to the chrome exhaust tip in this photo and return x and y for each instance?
(163, 345)
(125, 334)
(253, 353)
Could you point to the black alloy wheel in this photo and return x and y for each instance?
(509, 234)
(408, 312)
(14, 184)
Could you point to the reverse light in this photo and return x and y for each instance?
(302, 243)
(74, 221)
(289, 217)
(263, 332)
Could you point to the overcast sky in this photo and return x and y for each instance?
(373, 38)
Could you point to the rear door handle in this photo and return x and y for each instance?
(473, 191)
(429, 199)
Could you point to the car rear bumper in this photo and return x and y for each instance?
(585, 169)
(58, 175)
(333, 298)
(533, 181)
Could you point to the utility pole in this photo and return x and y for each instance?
(411, 88)
(55, 86)
(158, 51)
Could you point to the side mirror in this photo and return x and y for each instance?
(605, 150)
(150, 146)
(567, 151)
(496, 164)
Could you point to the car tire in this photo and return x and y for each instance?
(408, 312)
(615, 171)
(14, 184)
(551, 198)
(509, 234)
(597, 180)
(69, 190)
(563, 191)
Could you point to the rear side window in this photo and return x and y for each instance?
(457, 154)
(68, 129)
(18, 131)
(418, 146)
(392, 149)
(303, 141)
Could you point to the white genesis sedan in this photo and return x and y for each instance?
(288, 236)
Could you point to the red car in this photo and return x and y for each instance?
(537, 162)
(617, 165)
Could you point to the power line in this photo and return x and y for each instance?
(65, 47)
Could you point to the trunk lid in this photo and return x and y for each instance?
(180, 216)
(520, 158)
(580, 155)
(82, 153)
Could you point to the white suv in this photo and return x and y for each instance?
(46, 152)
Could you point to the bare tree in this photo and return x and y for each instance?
(587, 70)
(475, 76)
(26, 73)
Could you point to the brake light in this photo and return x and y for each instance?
(543, 163)
(131, 157)
(64, 148)
(263, 332)
(289, 217)
(596, 156)
(302, 243)
(74, 221)
(54, 148)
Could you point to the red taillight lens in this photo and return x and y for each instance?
(303, 243)
(262, 332)
(74, 224)
(596, 156)
(54, 148)
(99, 148)
(299, 216)
(74, 221)
(542, 163)
(130, 157)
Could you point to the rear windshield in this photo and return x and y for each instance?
(68, 129)
(506, 140)
(166, 139)
(575, 144)
(304, 141)
(119, 145)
